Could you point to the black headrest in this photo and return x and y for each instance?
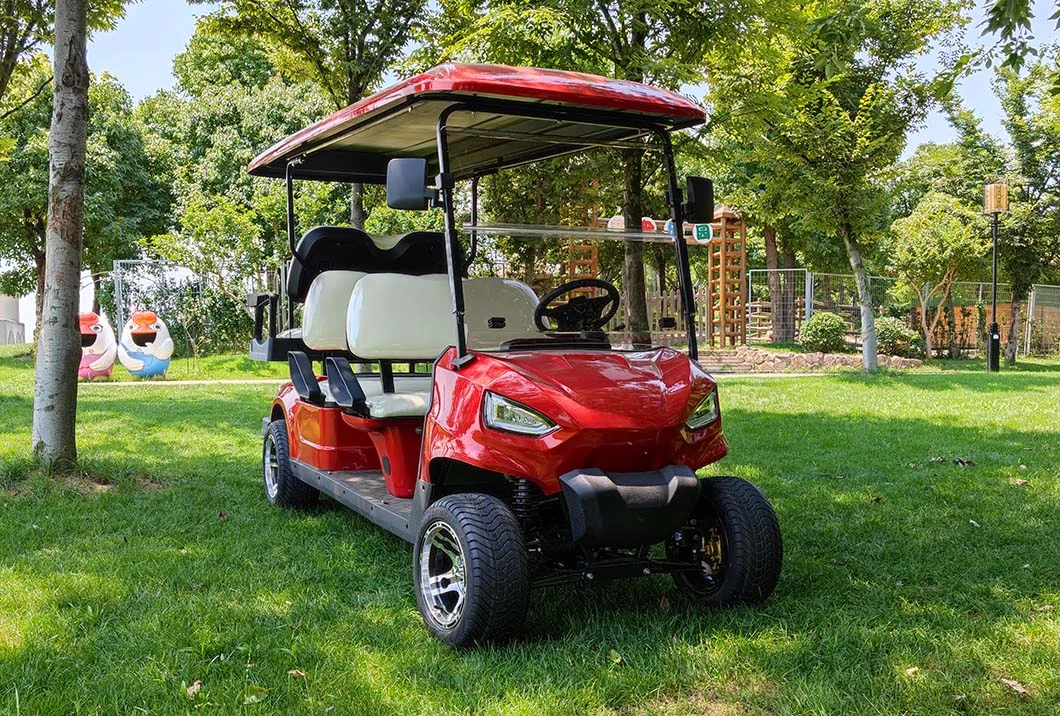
(343, 248)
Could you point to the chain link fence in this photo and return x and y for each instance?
(781, 300)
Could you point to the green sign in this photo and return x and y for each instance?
(703, 233)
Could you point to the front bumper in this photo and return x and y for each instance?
(628, 509)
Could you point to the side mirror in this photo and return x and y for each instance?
(700, 206)
(406, 184)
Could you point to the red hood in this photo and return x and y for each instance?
(641, 390)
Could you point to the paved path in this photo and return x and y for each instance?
(214, 381)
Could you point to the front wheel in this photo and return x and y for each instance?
(734, 539)
(470, 568)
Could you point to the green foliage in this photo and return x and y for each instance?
(894, 338)
(125, 198)
(1010, 20)
(344, 47)
(387, 222)
(824, 332)
(940, 241)
(814, 108)
(212, 59)
(230, 226)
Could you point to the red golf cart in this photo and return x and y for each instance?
(502, 434)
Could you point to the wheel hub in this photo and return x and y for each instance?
(442, 578)
(271, 467)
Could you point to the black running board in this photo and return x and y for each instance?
(364, 492)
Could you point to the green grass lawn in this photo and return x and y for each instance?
(911, 584)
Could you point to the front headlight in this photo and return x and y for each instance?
(705, 413)
(500, 413)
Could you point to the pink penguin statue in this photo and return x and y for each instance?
(98, 347)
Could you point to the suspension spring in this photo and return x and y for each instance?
(524, 503)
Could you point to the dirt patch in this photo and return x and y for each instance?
(88, 484)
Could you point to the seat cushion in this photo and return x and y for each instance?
(411, 396)
(398, 405)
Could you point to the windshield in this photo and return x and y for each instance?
(550, 287)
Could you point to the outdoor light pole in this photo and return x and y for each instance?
(995, 201)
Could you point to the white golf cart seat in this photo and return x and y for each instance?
(498, 310)
(324, 314)
(400, 317)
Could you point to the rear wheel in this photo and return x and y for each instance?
(282, 488)
(470, 569)
(734, 538)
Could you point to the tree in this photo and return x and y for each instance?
(26, 26)
(1011, 21)
(826, 97)
(1032, 230)
(229, 225)
(941, 240)
(343, 46)
(59, 349)
(642, 41)
(125, 199)
(1029, 246)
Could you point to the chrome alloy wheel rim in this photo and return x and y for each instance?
(442, 578)
(271, 466)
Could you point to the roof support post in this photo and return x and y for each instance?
(289, 178)
(446, 194)
(684, 273)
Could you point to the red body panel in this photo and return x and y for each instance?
(320, 437)
(619, 412)
(529, 84)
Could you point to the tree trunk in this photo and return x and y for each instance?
(660, 266)
(39, 262)
(530, 263)
(776, 321)
(787, 303)
(59, 350)
(633, 260)
(97, 281)
(869, 359)
(953, 348)
(357, 215)
(1012, 344)
(925, 325)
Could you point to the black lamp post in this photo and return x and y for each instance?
(995, 201)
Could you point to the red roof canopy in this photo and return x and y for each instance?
(355, 143)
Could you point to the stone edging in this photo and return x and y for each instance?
(763, 361)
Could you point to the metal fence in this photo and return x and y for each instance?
(781, 300)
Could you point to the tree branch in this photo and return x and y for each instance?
(36, 93)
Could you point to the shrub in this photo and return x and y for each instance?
(824, 332)
(894, 338)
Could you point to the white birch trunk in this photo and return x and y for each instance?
(59, 347)
(869, 358)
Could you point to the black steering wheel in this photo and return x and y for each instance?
(580, 313)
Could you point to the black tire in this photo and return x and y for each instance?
(490, 570)
(282, 488)
(734, 516)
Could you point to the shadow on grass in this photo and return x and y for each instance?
(138, 593)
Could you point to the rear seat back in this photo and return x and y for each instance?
(324, 313)
(400, 317)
